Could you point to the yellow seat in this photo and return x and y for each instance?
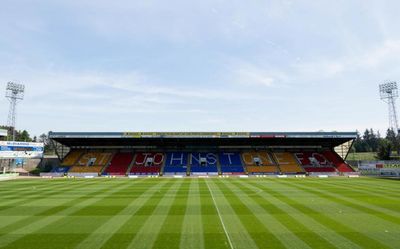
(86, 169)
(266, 164)
(71, 158)
(287, 163)
(262, 169)
(94, 159)
(263, 156)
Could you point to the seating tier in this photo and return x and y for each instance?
(287, 163)
(119, 164)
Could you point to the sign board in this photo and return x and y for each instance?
(186, 134)
(12, 150)
(380, 168)
(368, 165)
(3, 133)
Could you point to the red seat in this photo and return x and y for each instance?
(337, 161)
(140, 166)
(145, 170)
(119, 164)
(319, 169)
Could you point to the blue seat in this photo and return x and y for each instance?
(203, 162)
(230, 162)
(176, 163)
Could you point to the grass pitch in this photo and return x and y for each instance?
(200, 213)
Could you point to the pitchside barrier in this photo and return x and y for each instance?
(380, 168)
(317, 174)
(84, 175)
(51, 174)
(8, 176)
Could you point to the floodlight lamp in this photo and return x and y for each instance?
(15, 91)
(388, 90)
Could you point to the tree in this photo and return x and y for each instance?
(23, 136)
(366, 140)
(393, 139)
(384, 150)
(373, 140)
(48, 146)
(358, 144)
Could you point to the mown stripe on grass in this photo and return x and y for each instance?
(135, 219)
(349, 189)
(26, 197)
(21, 208)
(265, 230)
(288, 230)
(10, 190)
(102, 234)
(369, 195)
(351, 213)
(301, 220)
(192, 229)
(234, 218)
(363, 184)
(213, 233)
(30, 212)
(148, 233)
(380, 213)
(384, 183)
(38, 223)
(220, 217)
(279, 191)
(170, 232)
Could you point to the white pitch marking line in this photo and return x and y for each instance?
(219, 215)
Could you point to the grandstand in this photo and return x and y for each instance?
(196, 154)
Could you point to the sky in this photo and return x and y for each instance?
(223, 65)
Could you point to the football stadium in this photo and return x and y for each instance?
(200, 190)
(199, 124)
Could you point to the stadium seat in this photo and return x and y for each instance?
(94, 159)
(319, 169)
(337, 161)
(119, 164)
(85, 169)
(287, 163)
(259, 162)
(230, 163)
(176, 163)
(91, 162)
(314, 162)
(71, 158)
(203, 163)
(147, 163)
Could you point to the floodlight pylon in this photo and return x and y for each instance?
(389, 93)
(14, 93)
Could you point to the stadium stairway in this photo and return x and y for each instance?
(147, 163)
(230, 163)
(203, 163)
(91, 162)
(176, 163)
(314, 162)
(119, 164)
(338, 162)
(108, 163)
(259, 162)
(287, 163)
(72, 158)
(131, 164)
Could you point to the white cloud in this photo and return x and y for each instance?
(85, 61)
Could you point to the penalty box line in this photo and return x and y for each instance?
(219, 215)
